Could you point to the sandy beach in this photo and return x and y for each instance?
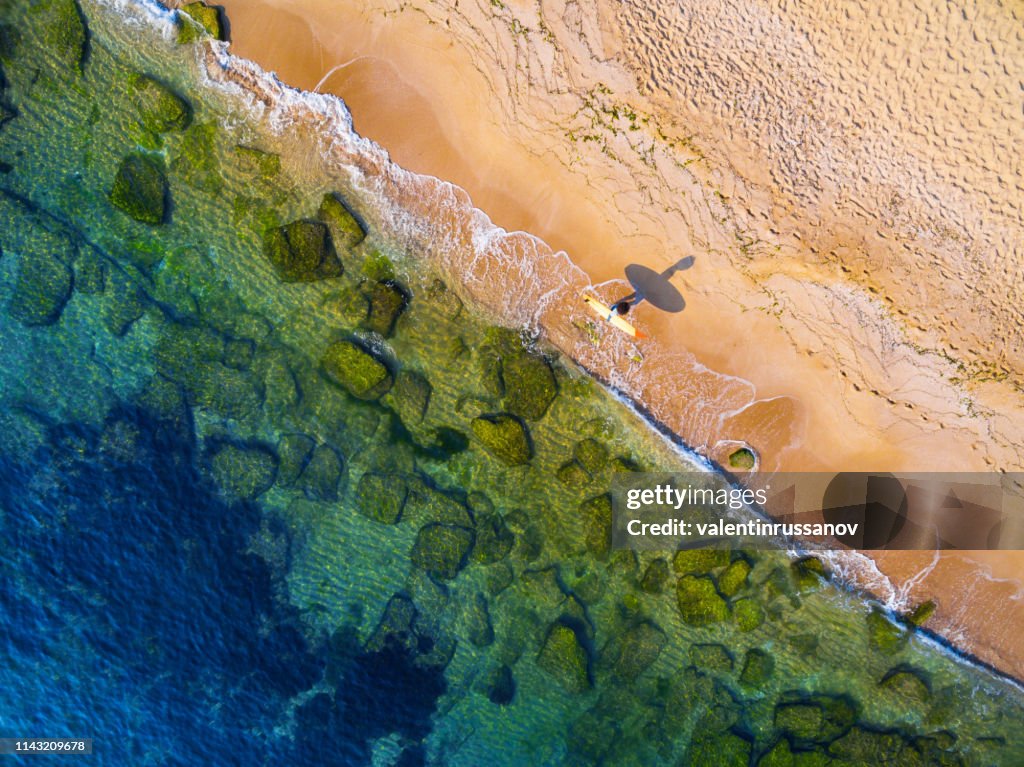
(847, 181)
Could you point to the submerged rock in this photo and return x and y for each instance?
(655, 576)
(591, 455)
(571, 474)
(243, 472)
(381, 497)
(757, 668)
(641, 646)
(267, 165)
(302, 251)
(565, 659)
(734, 577)
(699, 561)
(410, 396)
(293, 452)
(596, 514)
(920, 614)
(867, 747)
(711, 657)
(198, 20)
(884, 635)
(442, 550)
(387, 302)
(140, 189)
(494, 540)
(356, 370)
(123, 304)
(449, 304)
(505, 437)
(198, 158)
(699, 601)
(814, 719)
(477, 621)
(748, 613)
(319, 480)
(90, 272)
(344, 225)
(529, 384)
(42, 289)
(500, 686)
(160, 109)
(63, 30)
(718, 749)
(906, 682)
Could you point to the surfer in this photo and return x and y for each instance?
(621, 308)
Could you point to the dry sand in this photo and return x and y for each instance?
(847, 177)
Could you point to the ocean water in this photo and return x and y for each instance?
(224, 543)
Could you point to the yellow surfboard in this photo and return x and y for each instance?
(606, 314)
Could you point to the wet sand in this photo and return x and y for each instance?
(853, 304)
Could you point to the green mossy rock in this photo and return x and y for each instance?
(505, 437)
(409, 397)
(921, 614)
(591, 455)
(356, 370)
(238, 353)
(641, 646)
(711, 657)
(494, 540)
(757, 668)
(293, 452)
(198, 158)
(884, 635)
(742, 459)
(378, 267)
(160, 109)
(815, 719)
(655, 577)
(123, 303)
(565, 659)
(809, 573)
(748, 613)
(906, 682)
(302, 251)
(529, 384)
(387, 302)
(244, 472)
(596, 514)
(699, 561)
(90, 272)
(381, 497)
(319, 480)
(782, 755)
(446, 301)
(429, 504)
(396, 625)
(477, 626)
(866, 747)
(442, 550)
(699, 601)
(140, 189)
(571, 474)
(725, 749)
(42, 289)
(344, 225)
(734, 577)
(197, 21)
(63, 30)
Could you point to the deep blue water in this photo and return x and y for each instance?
(132, 612)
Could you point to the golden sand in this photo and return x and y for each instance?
(847, 178)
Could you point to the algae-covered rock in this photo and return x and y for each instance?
(159, 108)
(501, 686)
(529, 384)
(782, 755)
(42, 289)
(140, 189)
(441, 550)
(302, 251)
(344, 225)
(920, 614)
(906, 682)
(293, 452)
(197, 20)
(319, 480)
(409, 397)
(814, 719)
(431, 504)
(381, 497)
(90, 272)
(718, 750)
(742, 459)
(387, 302)
(596, 514)
(494, 540)
(757, 668)
(641, 646)
(396, 625)
(711, 657)
(477, 622)
(861, 746)
(591, 455)
(571, 474)
(198, 159)
(378, 267)
(63, 30)
(748, 613)
(733, 577)
(505, 437)
(655, 576)
(699, 601)
(356, 370)
(449, 304)
(699, 561)
(243, 472)
(123, 303)
(565, 659)
(809, 573)
(267, 165)
(884, 635)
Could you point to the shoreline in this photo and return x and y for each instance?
(742, 413)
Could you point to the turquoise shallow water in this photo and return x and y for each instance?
(271, 492)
